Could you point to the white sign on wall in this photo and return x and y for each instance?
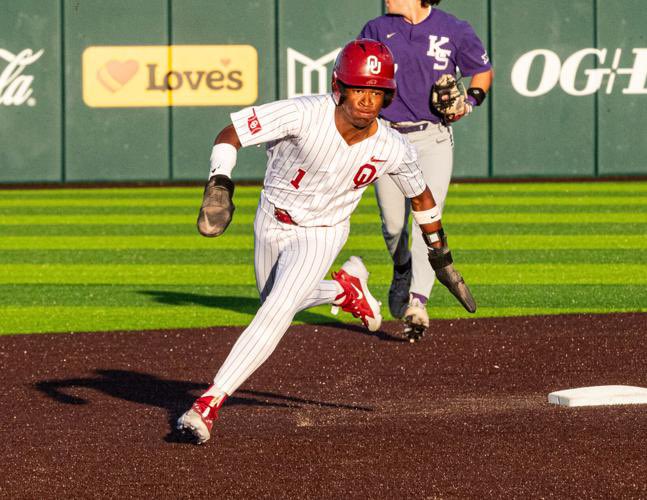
(16, 87)
(314, 73)
(555, 72)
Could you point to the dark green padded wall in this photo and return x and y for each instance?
(30, 91)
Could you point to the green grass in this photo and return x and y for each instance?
(131, 258)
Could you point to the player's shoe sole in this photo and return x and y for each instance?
(197, 422)
(412, 331)
(192, 424)
(416, 321)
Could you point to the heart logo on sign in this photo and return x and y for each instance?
(122, 71)
(225, 62)
(115, 74)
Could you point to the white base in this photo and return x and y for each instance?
(599, 395)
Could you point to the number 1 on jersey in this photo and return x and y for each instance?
(297, 179)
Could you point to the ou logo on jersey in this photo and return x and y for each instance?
(565, 74)
(364, 176)
(374, 65)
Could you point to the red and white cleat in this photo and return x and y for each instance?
(355, 297)
(198, 420)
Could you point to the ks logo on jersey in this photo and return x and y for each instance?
(437, 51)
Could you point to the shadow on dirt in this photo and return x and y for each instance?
(175, 396)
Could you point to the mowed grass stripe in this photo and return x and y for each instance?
(368, 207)
(132, 257)
(233, 242)
(243, 274)
(457, 189)
(239, 297)
(494, 200)
(579, 200)
(120, 193)
(550, 187)
(136, 219)
(84, 319)
(169, 191)
(368, 229)
(244, 298)
(370, 256)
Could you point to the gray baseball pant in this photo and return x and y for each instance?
(435, 148)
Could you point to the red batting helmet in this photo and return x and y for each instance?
(364, 63)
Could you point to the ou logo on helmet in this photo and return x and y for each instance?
(565, 74)
(374, 65)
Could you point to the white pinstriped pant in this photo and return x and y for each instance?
(290, 263)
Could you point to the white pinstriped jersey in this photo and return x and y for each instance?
(311, 171)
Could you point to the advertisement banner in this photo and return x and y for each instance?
(177, 75)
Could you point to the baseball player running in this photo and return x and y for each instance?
(426, 43)
(323, 151)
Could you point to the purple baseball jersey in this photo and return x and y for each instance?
(440, 44)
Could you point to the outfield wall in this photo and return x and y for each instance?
(95, 90)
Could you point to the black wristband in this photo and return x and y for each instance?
(440, 257)
(478, 94)
(431, 238)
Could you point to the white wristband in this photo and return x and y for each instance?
(427, 216)
(223, 159)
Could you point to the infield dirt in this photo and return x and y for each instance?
(334, 413)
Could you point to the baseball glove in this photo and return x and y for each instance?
(448, 99)
(217, 207)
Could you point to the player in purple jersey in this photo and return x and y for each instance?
(426, 43)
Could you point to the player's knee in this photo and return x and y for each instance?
(278, 308)
(392, 227)
(392, 232)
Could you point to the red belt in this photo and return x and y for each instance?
(283, 216)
